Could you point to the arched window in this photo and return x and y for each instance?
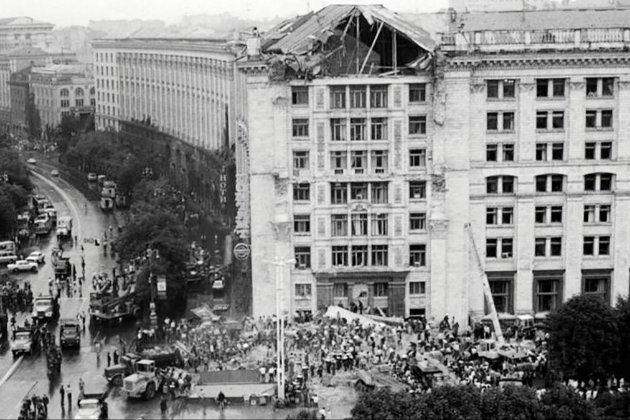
(78, 92)
(92, 91)
(64, 93)
(598, 182)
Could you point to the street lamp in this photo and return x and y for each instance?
(152, 254)
(280, 356)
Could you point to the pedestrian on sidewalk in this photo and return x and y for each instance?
(97, 347)
(62, 395)
(115, 357)
(109, 359)
(69, 394)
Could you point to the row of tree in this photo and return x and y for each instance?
(509, 403)
(15, 187)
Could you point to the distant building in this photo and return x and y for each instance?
(20, 96)
(62, 89)
(24, 32)
(16, 60)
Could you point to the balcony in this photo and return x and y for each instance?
(532, 40)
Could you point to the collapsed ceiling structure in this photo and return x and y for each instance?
(341, 40)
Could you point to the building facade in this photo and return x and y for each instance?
(24, 32)
(535, 128)
(21, 102)
(62, 90)
(394, 191)
(340, 169)
(183, 87)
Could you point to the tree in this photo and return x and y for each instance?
(622, 310)
(15, 169)
(453, 402)
(33, 120)
(8, 215)
(511, 402)
(384, 404)
(563, 403)
(583, 339)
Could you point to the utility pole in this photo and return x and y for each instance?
(280, 355)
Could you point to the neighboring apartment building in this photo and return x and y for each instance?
(183, 86)
(188, 89)
(535, 142)
(340, 164)
(62, 89)
(24, 32)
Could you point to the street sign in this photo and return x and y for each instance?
(241, 251)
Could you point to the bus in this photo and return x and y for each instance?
(39, 202)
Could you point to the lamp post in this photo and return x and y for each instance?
(280, 356)
(152, 254)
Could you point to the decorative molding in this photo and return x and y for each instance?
(540, 60)
(359, 206)
(438, 227)
(477, 86)
(577, 85)
(624, 84)
(282, 229)
(526, 86)
(438, 183)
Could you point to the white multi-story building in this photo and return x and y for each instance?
(340, 165)
(379, 181)
(24, 32)
(62, 90)
(184, 87)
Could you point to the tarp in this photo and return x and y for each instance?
(338, 312)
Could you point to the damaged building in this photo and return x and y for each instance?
(345, 195)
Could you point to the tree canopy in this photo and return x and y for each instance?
(583, 339)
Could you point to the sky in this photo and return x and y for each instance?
(80, 12)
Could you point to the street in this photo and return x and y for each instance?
(28, 374)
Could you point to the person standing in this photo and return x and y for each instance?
(109, 359)
(69, 394)
(115, 357)
(62, 396)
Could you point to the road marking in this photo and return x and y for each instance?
(66, 198)
(11, 370)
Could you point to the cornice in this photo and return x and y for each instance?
(536, 61)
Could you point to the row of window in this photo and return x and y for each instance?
(358, 129)
(548, 120)
(64, 93)
(547, 290)
(503, 248)
(356, 224)
(373, 192)
(361, 256)
(549, 183)
(340, 290)
(359, 161)
(356, 96)
(78, 102)
(551, 88)
(593, 213)
(549, 151)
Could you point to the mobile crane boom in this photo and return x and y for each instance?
(486, 287)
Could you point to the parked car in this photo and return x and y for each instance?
(54, 172)
(91, 177)
(36, 257)
(22, 265)
(31, 161)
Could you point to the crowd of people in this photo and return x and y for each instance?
(16, 298)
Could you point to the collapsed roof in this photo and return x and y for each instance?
(348, 39)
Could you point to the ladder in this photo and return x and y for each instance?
(486, 287)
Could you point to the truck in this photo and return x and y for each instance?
(91, 402)
(63, 268)
(23, 342)
(164, 357)
(45, 308)
(106, 309)
(69, 333)
(43, 225)
(64, 227)
(144, 382)
(8, 246)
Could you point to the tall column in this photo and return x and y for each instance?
(524, 242)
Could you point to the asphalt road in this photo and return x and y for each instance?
(27, 375)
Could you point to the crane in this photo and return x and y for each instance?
(486, 287)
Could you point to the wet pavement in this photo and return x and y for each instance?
(27, 375)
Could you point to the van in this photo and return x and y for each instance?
(7, 257)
